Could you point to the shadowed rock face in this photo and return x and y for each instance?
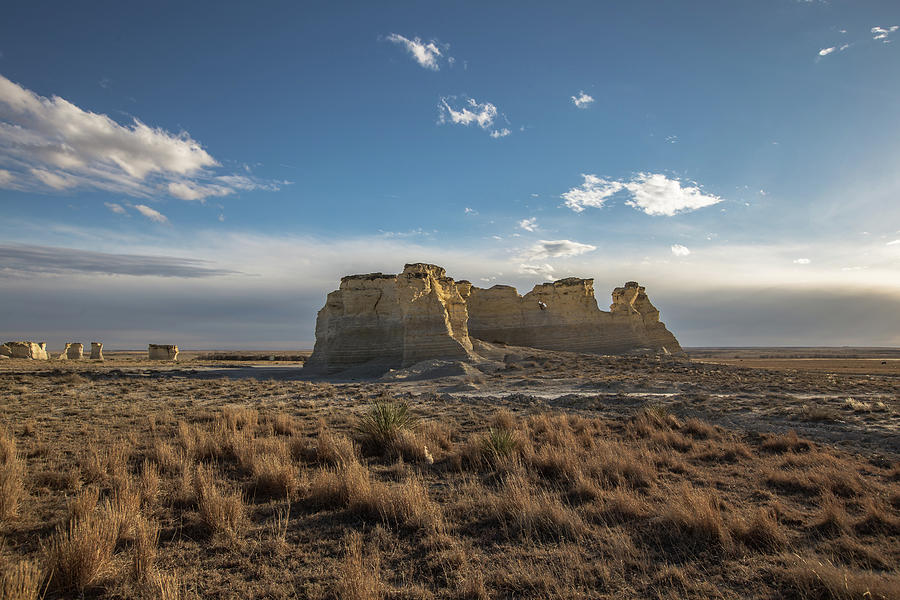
(96, 351)
(398, 320)
(74, 351)
(564, 315)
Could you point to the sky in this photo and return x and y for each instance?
(204, 173)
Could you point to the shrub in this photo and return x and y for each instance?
(499, 444)
(383, 422)
(360, 577)
(79, 553)
(222, 511)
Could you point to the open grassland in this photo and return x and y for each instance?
(118, 483)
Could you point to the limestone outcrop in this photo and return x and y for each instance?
(392, 321)
(33, 350)
(564, 315)
(5, 351)
(96, 351)
(74, 351)
(162, 352)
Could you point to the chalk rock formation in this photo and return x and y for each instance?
(5, 351)
(74, 351)
(96, 351)
(34, 350)
(564, 315)
(392, 320)
(162, 352)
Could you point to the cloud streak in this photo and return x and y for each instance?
(52, 145)
(27, 261)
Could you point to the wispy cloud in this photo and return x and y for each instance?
(827, 51)
(801, 261)
(150, 213)
(23, 260)
(557, 249)
(467, 111)
(116, 208)
(653, 193)
(582, 100)
(679, 250)
(529, 224)
(882, 33)
(893, 243)
(427, 54)
(50, 144)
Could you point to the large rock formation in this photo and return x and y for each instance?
(74, 351)
(34, 350)
(564, 315)
(390, 321)
(162, 352)
(96, 351)
(5, 351)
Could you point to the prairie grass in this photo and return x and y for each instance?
(525, 497)
(380, 426)
(12, 473)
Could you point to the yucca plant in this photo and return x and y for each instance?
(381, 425)
(499, 443)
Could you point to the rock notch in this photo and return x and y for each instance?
(391, 321)
(162, 352)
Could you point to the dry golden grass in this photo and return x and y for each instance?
(12, 471)
(21, 581)
(147, 477)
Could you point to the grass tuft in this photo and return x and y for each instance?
(381, 425)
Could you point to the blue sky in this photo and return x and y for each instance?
(205, 173)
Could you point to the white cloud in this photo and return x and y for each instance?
(529, 224)
(470, 111)
(582, 100)
(826, 51)
(881, 33)
(544, 271)
(51, 143)
(656, 194)
(894, 243)
(592, 193)
(802, 261)
(556, 249)
(679, 250)
(427, 54)
(116, 208)
(153, 215)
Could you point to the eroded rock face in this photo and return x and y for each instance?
(74, 351)
(392, 320)
(96, 351)
(5, 351)
(33, 350)
(162, 352)
(564, 315)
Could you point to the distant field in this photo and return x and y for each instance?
(856, 361)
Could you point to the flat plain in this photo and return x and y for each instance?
(751, 473)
